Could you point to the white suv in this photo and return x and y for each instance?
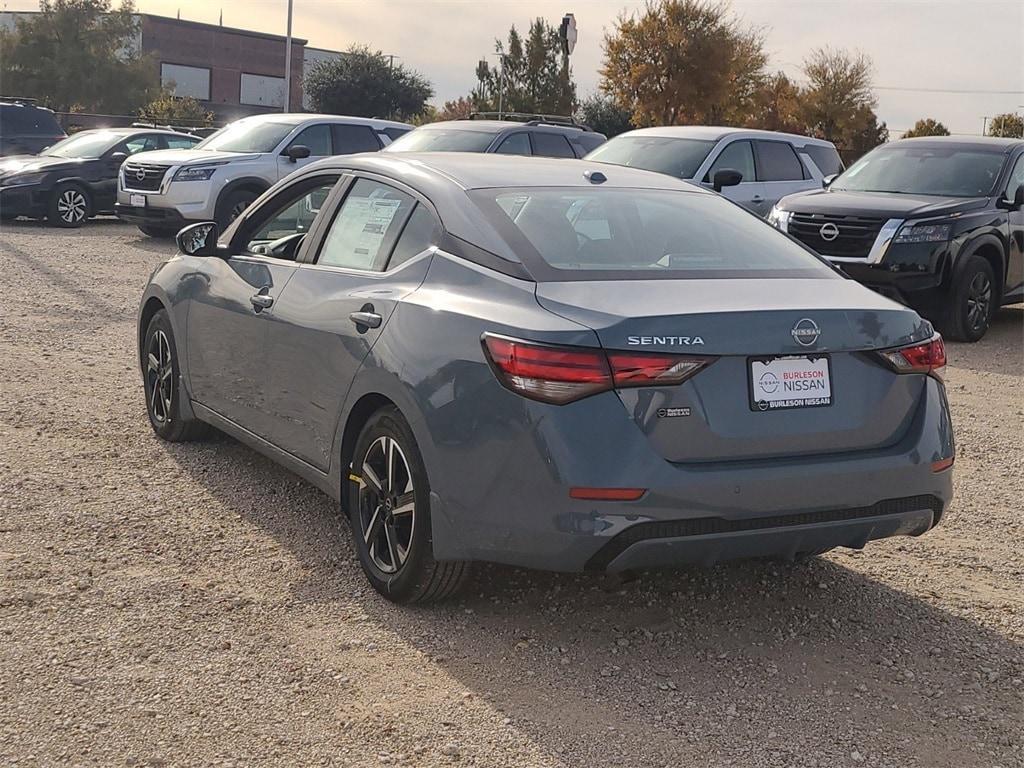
(163, 191)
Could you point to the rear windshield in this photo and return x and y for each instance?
(621, 233)
(676, 157)
(442, 140)
(16, 120)
(247, 136)
(944, 171)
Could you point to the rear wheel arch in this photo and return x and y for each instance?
(364, 408)
(150, 308)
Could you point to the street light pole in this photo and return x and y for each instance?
(288, 62)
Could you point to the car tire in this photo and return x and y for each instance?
(70, 205)
(163, 233)
(390, 515)
(970, 305)
(162, 385)
(231, 205)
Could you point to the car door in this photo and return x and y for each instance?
(317, 138)
(233, 299)
(1015, 251)
(335, 308)
(739, 156)
(780, 172)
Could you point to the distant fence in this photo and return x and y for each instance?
(72, 122)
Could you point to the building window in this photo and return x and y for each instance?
(186, 81)
(262, 91)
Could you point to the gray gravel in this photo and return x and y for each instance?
(195, 605)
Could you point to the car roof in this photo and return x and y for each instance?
(132, 131)
(497, 126)
(300, 118)
(715, 133)
(988, 142)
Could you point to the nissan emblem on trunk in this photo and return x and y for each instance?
(805, 332)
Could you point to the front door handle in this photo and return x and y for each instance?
(261, 301)
(757, 199)
(365, 320)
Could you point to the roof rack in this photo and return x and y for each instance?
(195, 130)
(531, 118)
(19, 99)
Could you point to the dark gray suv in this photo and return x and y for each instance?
(539, 135)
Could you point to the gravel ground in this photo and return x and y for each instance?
(194, 605)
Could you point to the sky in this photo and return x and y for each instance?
(944, 59)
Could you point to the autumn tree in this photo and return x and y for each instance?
(1007, 124)
(927, 127)
(78, 54)
(168, 109)
(777, 106)
(838, 103)
(604, 115)
(683, 62)
(531, 75)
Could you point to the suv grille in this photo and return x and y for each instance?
(143, 176)
(856, 233)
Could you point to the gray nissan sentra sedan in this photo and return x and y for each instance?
(548, 363)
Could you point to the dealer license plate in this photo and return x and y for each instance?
(138, 201)
(790, 382)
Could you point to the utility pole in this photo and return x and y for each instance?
(501, 86)
(288, 62)
(984, 124)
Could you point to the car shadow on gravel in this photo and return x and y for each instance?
(816, 656)
(1000, 351)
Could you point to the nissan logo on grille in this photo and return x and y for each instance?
(805, 332)
(829, 232)
(140, 174)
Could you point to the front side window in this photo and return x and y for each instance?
(317, 138)
(248, 136)
(366, 226)
(290, 213)
(610, 233)
(516, 144)
(737, 156)
(778, 162)
(950, 171)
(141, 144)
(442, 140)
(1016, 178)
(676, 157)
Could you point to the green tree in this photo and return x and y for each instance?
(927, 127)
(168, 109)
(1007, 124)
(684, 62)
(838, 103)
(78, 54)
(536, 77)
(366, 83)
(604, 115)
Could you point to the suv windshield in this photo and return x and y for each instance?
(247, 136)
(676, 157)
(86, 144)
(442, 140)
(944, 171)
(616, 233)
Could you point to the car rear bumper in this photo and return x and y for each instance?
(167, 218)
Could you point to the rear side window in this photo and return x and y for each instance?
(551, 145)
(142, 144)
(394, 133)
(778, 162)
(349, 139)
(27, 121)
(420, 233)
(826, 158)
(181, 142)
(516, 144)
(366, 226)
(317, 138)
(737, 156)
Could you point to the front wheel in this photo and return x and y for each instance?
(162, 385)
(70, 205)
(971, 302)
(390, 515)
(231, 206)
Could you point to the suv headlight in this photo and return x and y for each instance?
(21, 179)
(194, 174)
(779, 218)
(923, 233)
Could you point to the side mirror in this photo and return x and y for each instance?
(726, 177)
(1016, 203)
(199, 239)
(297, 152)
(827, 181)
(118, 157)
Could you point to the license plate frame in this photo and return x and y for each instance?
(137, 201)
(816, 362)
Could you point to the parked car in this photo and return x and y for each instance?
(552, 364)
(770, 165)
(544, 137)
(935, 223)
(76, 178)
(161, 192)
(25, 128)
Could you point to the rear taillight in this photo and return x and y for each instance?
(554, 374)
(929, 357)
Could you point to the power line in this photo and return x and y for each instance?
(946, 90)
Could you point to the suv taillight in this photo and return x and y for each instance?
(929, 358)
(556, 374)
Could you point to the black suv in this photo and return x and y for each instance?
(513, 134)
(25, 128)
(935, 223)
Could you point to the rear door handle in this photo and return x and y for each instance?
(366, 319)
(261, 301)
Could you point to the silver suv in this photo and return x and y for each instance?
(163, 191)
(770, 165)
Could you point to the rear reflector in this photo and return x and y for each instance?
(607, 494)
(929, 358)
(942, 465)
(554, 374)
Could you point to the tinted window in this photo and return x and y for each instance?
(922, 170)
(181, 142)
(362, 233)
(551, 145)
(291, 211)
(609, 233)
(442, 140)
(141, 144)
(27, 121)
(826, 158)
(778, 162)
(349, 139)
(737, 156)
(248, 135)
(1016, 178)
(394, 133)
(420, 233)
(676, 157)
(516, 144)
(317, 138)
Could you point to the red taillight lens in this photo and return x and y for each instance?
(929, 357)
(560, 375)
(606, 494)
